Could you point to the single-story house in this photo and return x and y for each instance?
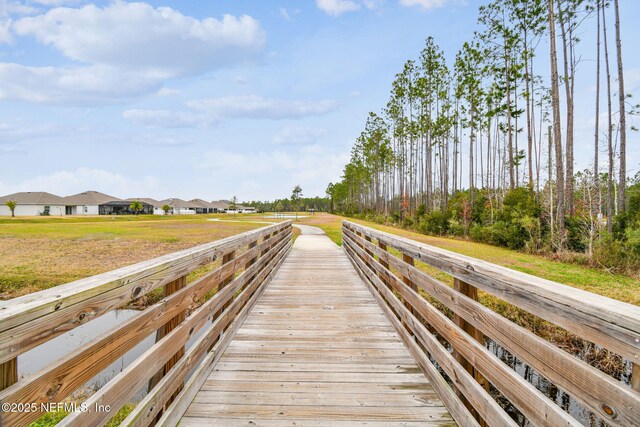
(123, 207)
(202, 206)
(220, 206)
(246, 209)
(33, 203)
(179, 206)
(87, 203)
(157, 205)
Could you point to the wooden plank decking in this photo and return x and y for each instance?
(316, 350)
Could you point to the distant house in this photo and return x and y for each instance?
(246, 209)
(220, 206)
(239, 208)
(123, 207)
(203, 207)
(86, 203)
(157, 205)
(180, 207)
(33, 203)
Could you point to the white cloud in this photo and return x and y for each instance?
(256, 107)
(5, 32)
(258, 173)
(298, 135)
(67, 182)
(337, 7)
(423, 4)
(165, 91)
(124, 50)
(9, 8)
(285, 14)
(167, 119)
(81, 85)
(136, 35)
(241, 80)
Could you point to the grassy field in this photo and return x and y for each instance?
(624, 288)
(39, 253)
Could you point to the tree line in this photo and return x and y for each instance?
(459, 144)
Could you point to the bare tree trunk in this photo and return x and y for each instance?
(557, 131)
(567, 43)
(596, 169)
(623, 121)
(609, 126)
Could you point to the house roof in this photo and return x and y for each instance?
(178, 203)
(34, 198)
(220, 204)
(126, 203)
(203, 203)
(89, 198)
(154, 202)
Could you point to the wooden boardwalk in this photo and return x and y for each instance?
(316, 350)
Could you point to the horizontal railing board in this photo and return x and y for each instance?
(531, 402)
(612, 324)
(589, 385)
(56, 381)
(179, 406)
(454, 405)
(145, 412)
(41, 316)
(117, 391)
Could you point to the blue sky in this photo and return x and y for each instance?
(214, 99)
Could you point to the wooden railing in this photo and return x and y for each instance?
(249, 260)
(475, 373)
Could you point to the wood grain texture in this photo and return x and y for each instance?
(117, 391)
(146, 410)
(59, 379)
(28, 321)
(306, 353)
(593, 388)
(612, 324)
(531, 402)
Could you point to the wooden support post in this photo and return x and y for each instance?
(471, 292)
(250, 262)
(407, 281)
(635, 377)
(266, 250)
(8, 373)
(225, 259)
(169, 289)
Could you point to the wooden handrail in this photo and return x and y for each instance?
(612, 324)
(177, 317)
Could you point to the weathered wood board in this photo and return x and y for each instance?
(316, 350)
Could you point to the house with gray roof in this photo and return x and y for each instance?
(33, 203)
(157, 204)
(180, 207)
(87, 202)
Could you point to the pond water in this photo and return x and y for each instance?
(52, 350)
(561, 398)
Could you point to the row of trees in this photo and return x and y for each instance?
(494, 119)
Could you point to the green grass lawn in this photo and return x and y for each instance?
(39, 253)
(621, 287)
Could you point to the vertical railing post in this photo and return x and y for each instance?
(265, 250)
(407, 281)
(635, 376)
(224, 282)
(8, 373)
(169, 289)
(471, 292)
